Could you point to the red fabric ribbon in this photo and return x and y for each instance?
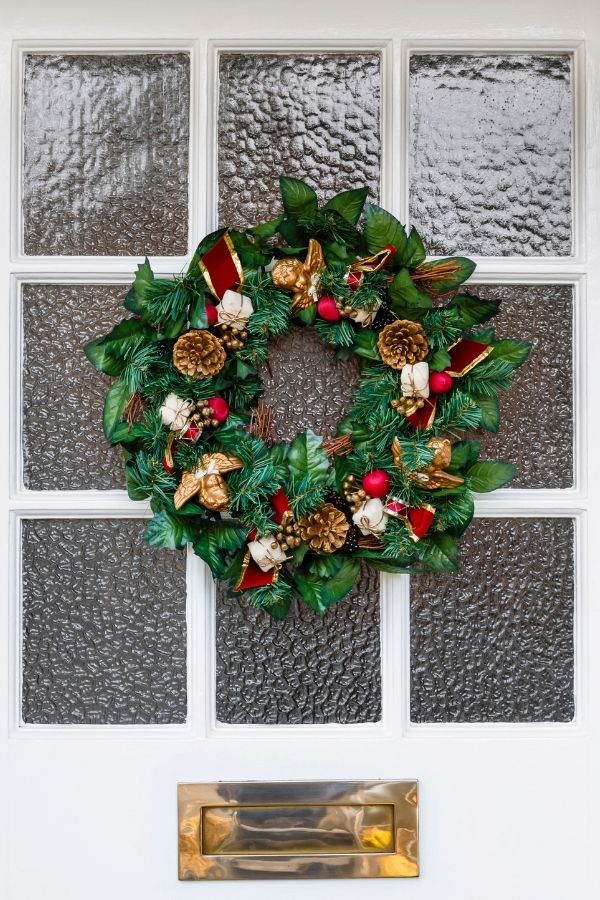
(251, 574)
(423, 417)
(221, 267)
(419, 520)
(466, 354)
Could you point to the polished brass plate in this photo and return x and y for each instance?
(298, 829)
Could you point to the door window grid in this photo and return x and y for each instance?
(546, 501)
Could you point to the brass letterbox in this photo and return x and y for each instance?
(295, 829)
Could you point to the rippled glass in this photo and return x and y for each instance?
(494, 643)
(106, 152)
(490, 153)
(104, 625)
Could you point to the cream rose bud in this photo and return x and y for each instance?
(234, 310)
(414, 380)
(266, 553)
(371, 517)
(175, 412)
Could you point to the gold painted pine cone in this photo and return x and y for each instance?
(402, 342)
(325, 529)
(198, 353)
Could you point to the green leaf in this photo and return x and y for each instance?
(414, 253)
(320, 593)
(206, 547)
(456, 270)
(134, 490)
(349, 204)
(250, 254)
(198, 318)
(512, 351)
(135, 300)
(405, 297)
(295, 236)
(365, 344)
(266, 229)
(464, 454)
(228, 535)
(473, 310)
(307, 315)
(109, 353)
(439, 361)
(489, 476)
(114, 404)
(306, 456)
(490, 412)
(173, 329)
(298, 198)
(459, 513)
(381, 229)
(440, 553)
(165, 530)
(127, 434)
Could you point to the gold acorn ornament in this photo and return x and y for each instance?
(325, 529)
(198, 353)
(301, 278)
(402, 342)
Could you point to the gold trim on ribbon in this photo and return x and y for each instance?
(486, 352)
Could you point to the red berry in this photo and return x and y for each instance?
(327, 309)
(219, 409)
(440, 382)
(376, 483)
(211, 314)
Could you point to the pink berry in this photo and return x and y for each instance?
(376, 483)
(219, 409)
(327, 309)
(440, 382)
(211, 314)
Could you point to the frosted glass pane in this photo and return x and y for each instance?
(490, 154)
(314, 117)
(494, 643)
(104, 629)
(536, 430)
(105, 167)
(306, 669)
(63, 396)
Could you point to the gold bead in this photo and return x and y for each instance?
(352, 478)
(244, 335)
(214, 422)
(362, 494)
(289, 529)
(297, 541)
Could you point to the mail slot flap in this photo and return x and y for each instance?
(298, 830)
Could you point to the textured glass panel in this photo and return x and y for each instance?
(304, 383)
(106, 154)
(314, 117)
(536, 429)
(490, 154)
(104, 628)
(494, 643)
(305, 669)
(63, 443)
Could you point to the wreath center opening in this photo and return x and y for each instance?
(305, 385)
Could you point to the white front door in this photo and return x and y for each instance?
(131, 130)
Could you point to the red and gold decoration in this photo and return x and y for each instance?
(392, 487)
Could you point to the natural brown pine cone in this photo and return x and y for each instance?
(325, 529)
(198, 353)
(402, 342)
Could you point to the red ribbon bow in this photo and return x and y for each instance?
(251, 574)
(221, 267)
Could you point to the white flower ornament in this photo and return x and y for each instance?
(175, 412)
(234, 310)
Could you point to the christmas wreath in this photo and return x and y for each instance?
(393, 488)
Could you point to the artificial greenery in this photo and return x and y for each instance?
(138, 355)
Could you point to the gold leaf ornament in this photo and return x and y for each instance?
(207, 481)
(432, 477)
(301, 278)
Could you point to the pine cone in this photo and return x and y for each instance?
(198, 353)
(402, 342)
(325, 529)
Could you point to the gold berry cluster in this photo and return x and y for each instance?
(408, 405)
(204, 415)
(354, 495)
(288, 536)
(232, 338)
